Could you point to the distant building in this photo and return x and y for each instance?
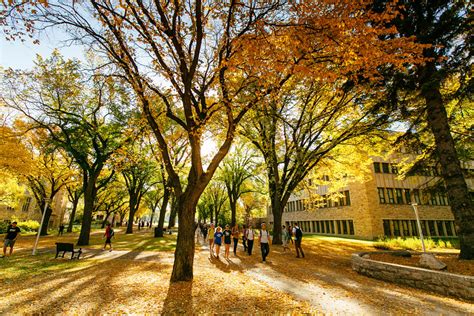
(378, 207)
(28, 210)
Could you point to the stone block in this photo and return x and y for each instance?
(429, 261)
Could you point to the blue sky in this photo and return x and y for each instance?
(20, 55)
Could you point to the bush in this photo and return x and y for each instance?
(414, 243)
(29, 226)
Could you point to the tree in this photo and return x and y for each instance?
(74, 192)
(235, 171)
(444, 27)
(80, 116)
(205, 51)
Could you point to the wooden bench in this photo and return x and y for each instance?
(66, 247)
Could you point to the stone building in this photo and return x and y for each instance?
(378, 207)
(28, 210)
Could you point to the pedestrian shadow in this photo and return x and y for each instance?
(179, 299)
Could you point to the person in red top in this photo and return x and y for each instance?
(109, 233)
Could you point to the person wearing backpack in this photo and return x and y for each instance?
(249, 236)
(298, 233)
(109, 234)
(264, 240)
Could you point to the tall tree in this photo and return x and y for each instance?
(80, 116)
(235, 171)
(204, 51)
(445, 27)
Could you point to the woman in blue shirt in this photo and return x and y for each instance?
(218, 240)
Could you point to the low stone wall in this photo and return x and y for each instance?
(449, 284)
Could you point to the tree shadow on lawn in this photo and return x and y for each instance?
(179, 299)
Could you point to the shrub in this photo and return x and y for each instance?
(414, 243)
(29, 226)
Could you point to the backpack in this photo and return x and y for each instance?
(298, 233)
(111, 233)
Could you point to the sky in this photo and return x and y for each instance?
(21, 55)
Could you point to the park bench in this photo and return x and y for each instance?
(66, 247)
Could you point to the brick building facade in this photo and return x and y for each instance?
(378, 207)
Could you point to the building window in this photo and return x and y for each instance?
(317, 227)
(396, 228)
(431, 227)
(386, 228)
(377, 167)
(323, 230)
(406, 231)
(391, 198)
(338, 225)
(407, 196)
(439, 225)
(332, 226)
(348, 197)
(394, 169)
(433, 200)
(351, 227)
(414, 228)
(416, 196)
(328, 230)
(399, 196)
(382, 195)
(449, 231)
(385, 167)
(344, 227)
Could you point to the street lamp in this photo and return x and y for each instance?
(414, 204)
(46, 200)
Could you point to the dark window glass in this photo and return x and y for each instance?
(394, 169)
(406, 231)
(407, 196)
(381, 195)
(348, 197)
(351, 228)
(341, 201)
(399, 195)
(317, 227)
(449, 231)
(414, 228)
(329, 202)
(423, 227)
(431, 227)
(440, 228)
(377, 167)
(386, 228)
(332, 226)
(323, 228)
(391, 198)
(385, 167)
(344, 227)
(396, 228)
(433, 200)
(338, 224)
(328, 230)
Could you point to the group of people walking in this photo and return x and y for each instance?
(216, 236)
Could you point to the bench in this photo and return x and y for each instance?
(66, 247)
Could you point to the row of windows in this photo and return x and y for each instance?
(384, 167)
(334, 227)
(323, 202)
(404, 196)
(430, 228)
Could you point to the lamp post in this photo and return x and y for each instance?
(414, 204)
(46, 200)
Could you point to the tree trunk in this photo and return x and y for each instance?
(164, 206)
(458, 193)
(174, 211)
(89, 198)
(233, 209)
(277, 217)
(47, 216)
(184, 253)
(131, 214)
(73, 215)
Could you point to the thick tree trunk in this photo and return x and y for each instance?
(164, 206)
(277, 216)
(47, 216)
(458, 193)
(174, 212)
(131, 215)
(184, 253)
(89, 198)
(72, 216)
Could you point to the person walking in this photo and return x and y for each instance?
(298, 237)
(109, 234)
(218, 240)
(244, 237)
(204, 232)
(61, 230)
(211, 237)
(290, 234)
(227, 240)
(235, 236)
(284, 238)
(10, 238)
(250, 237)
(264, 240)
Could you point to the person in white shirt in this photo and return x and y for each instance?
(264, 240)
(250, 235)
